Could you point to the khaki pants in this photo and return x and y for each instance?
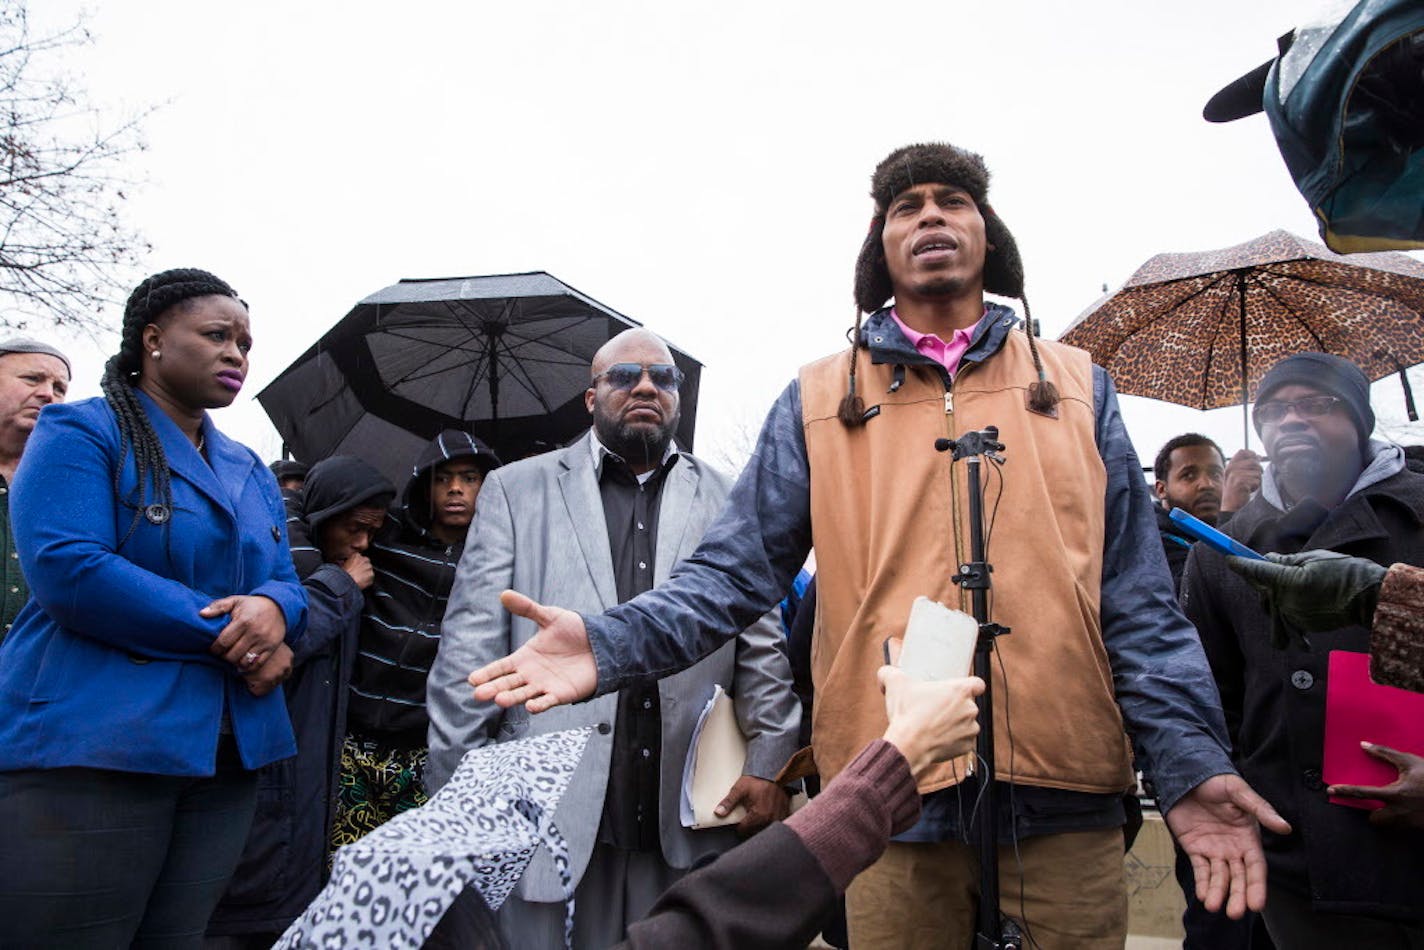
(1071, 894)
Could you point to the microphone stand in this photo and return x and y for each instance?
(994, 931)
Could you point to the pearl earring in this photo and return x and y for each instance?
(156, 355)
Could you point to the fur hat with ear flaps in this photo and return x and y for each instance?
(938, 163)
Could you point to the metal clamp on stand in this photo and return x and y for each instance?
(994, 931)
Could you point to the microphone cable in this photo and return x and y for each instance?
(996, 468)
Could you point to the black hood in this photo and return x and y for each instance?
(448, 445)
(339, 484)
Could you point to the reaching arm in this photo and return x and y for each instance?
(1162, 681)
(820, 849)
(1166, 692)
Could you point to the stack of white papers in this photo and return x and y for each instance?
(715, 760)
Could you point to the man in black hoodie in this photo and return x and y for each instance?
(330, 526)
(384, 754)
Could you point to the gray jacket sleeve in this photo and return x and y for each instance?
(476, 631)
(742, 568)
(766, 708)
(1160, 673)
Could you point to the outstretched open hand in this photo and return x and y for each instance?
(554, 666)
(1216, 824)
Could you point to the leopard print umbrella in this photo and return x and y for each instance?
(1182, 327)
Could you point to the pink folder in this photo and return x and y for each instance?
(1358, 709)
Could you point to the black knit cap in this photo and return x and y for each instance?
(941, 164)
(1329, 374)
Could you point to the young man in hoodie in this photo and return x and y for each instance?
(384, 755)
(330, 527)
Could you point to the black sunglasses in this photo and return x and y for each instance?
(665, 376)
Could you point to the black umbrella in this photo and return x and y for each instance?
(505, 357)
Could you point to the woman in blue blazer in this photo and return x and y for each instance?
(139, 686)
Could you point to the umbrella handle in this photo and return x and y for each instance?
(1408, 396)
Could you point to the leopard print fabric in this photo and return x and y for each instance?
(389, 889)
(1173, 332)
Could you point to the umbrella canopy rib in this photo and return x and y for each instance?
(504, 357)
(1380, 294)
(1269, 290)
(1211, 349)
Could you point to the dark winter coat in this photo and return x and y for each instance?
(400, 632)
(1176, 544)
(283, 865)
(1275, 700)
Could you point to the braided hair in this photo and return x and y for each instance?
(146, 305)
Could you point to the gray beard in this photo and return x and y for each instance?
(1312, 476)
(636, 445)
(1304, 470)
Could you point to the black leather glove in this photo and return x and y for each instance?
(1313, 590)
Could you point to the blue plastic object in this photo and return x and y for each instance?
(1208, 535)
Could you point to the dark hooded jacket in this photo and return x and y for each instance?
(400, 631)
(283, 865)
(1176, 543)
(1274, 700)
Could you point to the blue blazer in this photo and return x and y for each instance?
(107, 666)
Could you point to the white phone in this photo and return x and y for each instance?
(939, 642)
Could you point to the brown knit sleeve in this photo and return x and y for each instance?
(1397, 638)
(848, 825)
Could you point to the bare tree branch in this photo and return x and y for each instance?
(65, 247)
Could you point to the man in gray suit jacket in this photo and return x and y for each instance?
(591, 526)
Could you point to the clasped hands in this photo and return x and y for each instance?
(253, 640)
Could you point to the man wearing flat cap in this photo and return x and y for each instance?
(847, 462)
(32, 375)
(1339, 879)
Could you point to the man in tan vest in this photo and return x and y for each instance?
(847, 462)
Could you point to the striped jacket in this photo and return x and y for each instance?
(400, 629)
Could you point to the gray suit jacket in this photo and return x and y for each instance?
(539, 528)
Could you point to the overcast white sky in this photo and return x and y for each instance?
(702, 168)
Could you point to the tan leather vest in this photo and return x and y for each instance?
(889, 520)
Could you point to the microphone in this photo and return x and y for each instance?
(977, 442)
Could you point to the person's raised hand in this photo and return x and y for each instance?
(1240, 480)
(1216, 825)
(930, 720)
(1403, 798)
(554, 666)
(359, 567)
(255, 627)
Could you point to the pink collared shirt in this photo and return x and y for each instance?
(945, 354)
